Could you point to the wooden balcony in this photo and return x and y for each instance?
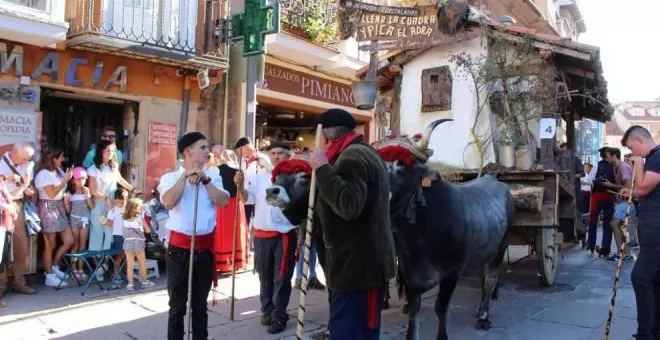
(177, 33)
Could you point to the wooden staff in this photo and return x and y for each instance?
(233, 243)
(300, 330)
(622, 254)
(190, 263)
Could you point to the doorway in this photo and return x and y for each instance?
(292, 126)
(73, 125)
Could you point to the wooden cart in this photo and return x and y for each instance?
(546, 229)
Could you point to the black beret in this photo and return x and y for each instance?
(281, 145)
(336, 117)
(189, 139)
(242, 142)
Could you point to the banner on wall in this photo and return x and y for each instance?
(17, 125)
(161, 153)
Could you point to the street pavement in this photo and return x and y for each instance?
(575, 308)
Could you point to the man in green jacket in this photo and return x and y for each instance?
(353, 211)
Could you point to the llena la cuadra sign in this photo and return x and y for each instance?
(378, 26)
(402, 27)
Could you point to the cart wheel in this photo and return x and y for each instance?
(547, 254)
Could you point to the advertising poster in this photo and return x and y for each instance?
(18, 125)
(161, 153)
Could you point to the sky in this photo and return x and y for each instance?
(628, 34)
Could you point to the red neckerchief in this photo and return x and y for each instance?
(338, 145)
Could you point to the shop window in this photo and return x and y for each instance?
(436, 89)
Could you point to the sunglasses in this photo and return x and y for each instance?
(110, 136)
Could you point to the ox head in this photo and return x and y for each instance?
(290, 190)
(406, 158)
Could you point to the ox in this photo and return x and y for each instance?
(443, 230)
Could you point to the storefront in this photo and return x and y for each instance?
(65, 98)
(68, 96)
(291, 97)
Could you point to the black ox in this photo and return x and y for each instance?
(441, 231)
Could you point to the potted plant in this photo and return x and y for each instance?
(524, 154)
(506, 146)
(316, 25)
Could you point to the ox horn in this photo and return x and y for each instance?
(424, 142)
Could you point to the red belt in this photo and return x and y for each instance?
(285, 246)
(202, 242)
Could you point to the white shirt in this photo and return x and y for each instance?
(116, 214)
(45, 178)
(106, 179)
(23, 169)
(181, 216)
(267, 217)
(250, 174)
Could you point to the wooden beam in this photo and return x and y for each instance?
(579, 72)
(538, 44)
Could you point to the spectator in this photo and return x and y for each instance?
(17, 168)
(585, 190)
(108, 134)
(645, 275)
(51, 183)
(217, 153)
(623, 176)
(78, 203)
(7, 215)
(103, 179)
(602, 201)
(353, 210)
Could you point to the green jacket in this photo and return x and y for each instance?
(354, 213)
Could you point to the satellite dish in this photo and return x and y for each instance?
(409, 3)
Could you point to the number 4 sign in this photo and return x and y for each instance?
(548, 128)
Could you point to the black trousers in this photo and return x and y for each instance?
(645, 278)
(275, 288)
(177, 287)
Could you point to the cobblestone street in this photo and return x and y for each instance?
(575, 308)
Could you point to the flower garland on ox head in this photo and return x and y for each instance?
(292, 166)
(401, 149)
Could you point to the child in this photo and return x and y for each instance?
(78, 204)
(135, 242)
(115, 221)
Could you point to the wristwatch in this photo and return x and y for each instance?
(206, 181)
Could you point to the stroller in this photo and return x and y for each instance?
(156, 216)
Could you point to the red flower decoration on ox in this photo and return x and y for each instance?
(397, 153)
(290, 167)
(417, 136)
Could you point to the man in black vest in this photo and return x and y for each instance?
(645, 275)
(602, 201)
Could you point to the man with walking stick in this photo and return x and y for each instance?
(186, 193)
(353, 212)
(645, 275)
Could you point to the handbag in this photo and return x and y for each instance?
(32, 220)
